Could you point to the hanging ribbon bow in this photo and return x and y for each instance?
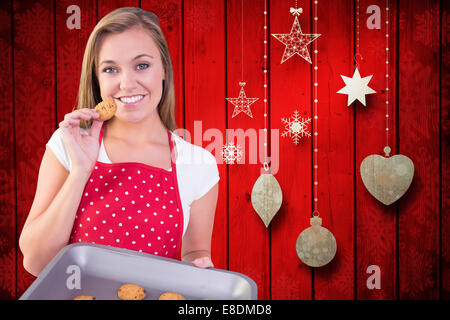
(296, 11)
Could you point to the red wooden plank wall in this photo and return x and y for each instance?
(376, 223)
(40, 59)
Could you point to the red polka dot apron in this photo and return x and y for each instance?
(131, 205)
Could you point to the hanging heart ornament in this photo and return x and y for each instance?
(316, 245)
(266, 197)
(387, 178)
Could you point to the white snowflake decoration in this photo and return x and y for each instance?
(231, 153)
(296, 128)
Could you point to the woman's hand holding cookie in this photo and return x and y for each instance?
(83, 149)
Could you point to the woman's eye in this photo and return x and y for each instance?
(142, 66)
(109, 70)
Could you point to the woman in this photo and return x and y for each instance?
(127, 182)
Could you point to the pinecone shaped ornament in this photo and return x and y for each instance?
(267, 197)
(316, 245)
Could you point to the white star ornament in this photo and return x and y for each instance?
(296, 42)
(356, 88)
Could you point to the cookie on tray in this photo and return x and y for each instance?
(106, 109)
(85, 298)
(131, 291)
(171, 296)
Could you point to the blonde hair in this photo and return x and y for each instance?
(118, 21)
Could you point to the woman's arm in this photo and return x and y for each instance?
(196, 246)
(50, 220)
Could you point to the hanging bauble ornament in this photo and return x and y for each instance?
(316, 245)
(266, 193)
(387, 178)
(266, 197)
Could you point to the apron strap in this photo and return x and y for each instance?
(175, 179)
(172, 155)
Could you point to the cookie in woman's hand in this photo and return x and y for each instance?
(106, 109)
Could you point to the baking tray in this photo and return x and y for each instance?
(103, 269)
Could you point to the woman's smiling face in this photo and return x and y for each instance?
(131, 72)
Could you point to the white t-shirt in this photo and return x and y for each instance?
(197, 169)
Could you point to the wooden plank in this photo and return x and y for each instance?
(204, 39)
(70, 46)
(106, 6)
(205, 89)
(248, 237)
(34, 100)
(7, 165)
(290, 90)
(171, 21)
(336, 169)
(419, 140)
(445, 150)
(376, 223)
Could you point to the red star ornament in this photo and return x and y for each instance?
(242, 103)
(296, 42)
